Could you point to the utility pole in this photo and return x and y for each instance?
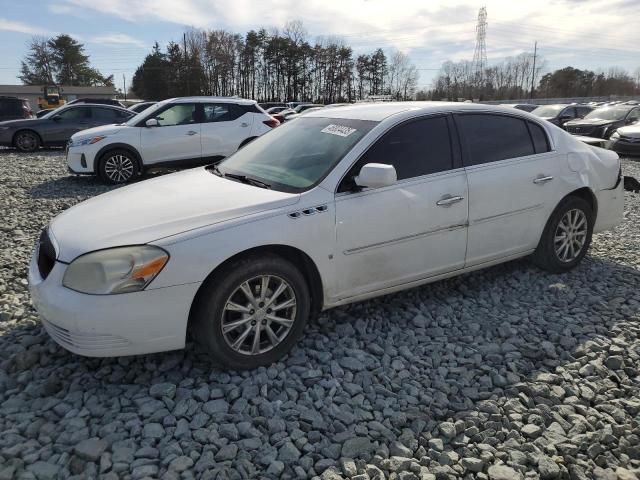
(184, 41)
(533, 72)
(124, 87)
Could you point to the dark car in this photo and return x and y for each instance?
(305, 106)
(13, 108)
(527, 107)
(139, 107)
(274, 110)
(56, 127)
(267, 105)
(97, 101)
(602, 122)
(561, 114)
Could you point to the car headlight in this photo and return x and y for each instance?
(615, 135)
(115, 270)
(86, 141)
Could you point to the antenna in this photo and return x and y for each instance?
(480, 53)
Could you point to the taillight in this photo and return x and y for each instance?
(271, 123)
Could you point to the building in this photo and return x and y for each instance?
(32, 92)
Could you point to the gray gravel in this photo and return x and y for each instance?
(508, 373)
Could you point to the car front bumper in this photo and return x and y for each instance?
(143, 322)
(625, 147)
(80, 160)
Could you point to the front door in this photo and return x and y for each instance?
(69, 121)
(408, 231)
(175, 139)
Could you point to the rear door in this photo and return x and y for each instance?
(225, 126)
(514, 184)
(176, 138)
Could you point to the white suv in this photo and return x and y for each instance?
(179, 132)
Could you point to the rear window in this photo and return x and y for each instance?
(490, 138)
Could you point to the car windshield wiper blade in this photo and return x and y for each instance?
(248, 180)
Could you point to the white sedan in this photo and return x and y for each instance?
(342, 205)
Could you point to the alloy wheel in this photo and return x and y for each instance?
(26, 142)
(571, 235)
(118, 168)
(258, 315)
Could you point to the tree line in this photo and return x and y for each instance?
(517, 77)
(275, 65)
(59, 60)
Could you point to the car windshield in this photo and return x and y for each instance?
(297, 155)
(548, 110)
(608, 113)
(146, 113)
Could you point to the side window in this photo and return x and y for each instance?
(416, 148)
(634, 115)
(178, 114)
(221, 112)
(569, 112)
(72, 114)
(582, 111)
(540, 140)
(490, 138)
(105, 115)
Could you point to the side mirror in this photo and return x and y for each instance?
(152, 122)
(376, 175)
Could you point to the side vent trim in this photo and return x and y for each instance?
(308, 211)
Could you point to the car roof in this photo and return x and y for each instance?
(379, 111)
(203, 99)
(85, 105)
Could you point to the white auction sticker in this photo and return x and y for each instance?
(339, 130)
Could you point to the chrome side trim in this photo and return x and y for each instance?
(506, 214)
(403, 239)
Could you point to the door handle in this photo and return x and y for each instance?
(191, 132)
(541, 180)
(244, 124)
(449, 200)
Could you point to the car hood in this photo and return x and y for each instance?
(630, 131)
(158, 208)
(590, 121)
(102, 130)
(30, 122)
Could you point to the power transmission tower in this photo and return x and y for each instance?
(480, 54)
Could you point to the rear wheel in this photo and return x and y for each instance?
(26, 141)
(566, 237)
(117, 166)
(252, 312)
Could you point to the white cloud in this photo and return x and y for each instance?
(20, 27)
(118, 39)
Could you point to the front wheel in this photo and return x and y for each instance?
(566, 237)
(27, 141)
(117, 166)
(252, 312)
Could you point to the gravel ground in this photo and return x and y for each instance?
(508, 373)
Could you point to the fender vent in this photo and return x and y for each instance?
(308, 211)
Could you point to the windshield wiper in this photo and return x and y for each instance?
(215, 170)
(247, 180)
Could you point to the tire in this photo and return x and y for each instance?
(27, 141)
(554, 253)
(223, 303)
(118, 166)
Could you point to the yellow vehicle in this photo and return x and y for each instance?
(51, 98)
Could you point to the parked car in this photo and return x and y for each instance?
(274, 110)
(626, 140)
(178, 132)
(283, 115)
(561, 114)
(305, 106)
(342, 205)
(603, 121)
(141, 106)
(526, 107)
(293, 116)
(267, 105)
(56, 127)
(97, 101)
(13, 108)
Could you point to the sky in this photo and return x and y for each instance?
(117, 34)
